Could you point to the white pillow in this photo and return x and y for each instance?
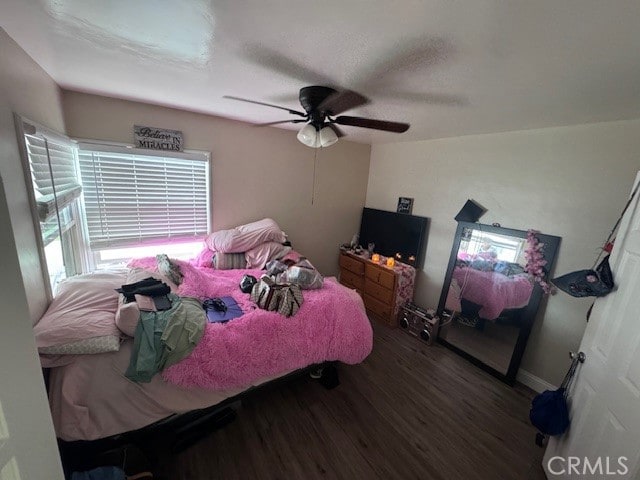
(245, 237)
(259, 256)
(84, 308)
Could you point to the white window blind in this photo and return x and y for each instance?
(130, 198)
(53, 171)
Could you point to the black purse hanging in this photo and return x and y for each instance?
(598, 280)
(587, 283)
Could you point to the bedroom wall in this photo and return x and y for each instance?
(571, 181)
(26, 89)
(257, 172)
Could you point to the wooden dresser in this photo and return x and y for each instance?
(383, 289)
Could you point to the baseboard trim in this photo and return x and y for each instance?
(533, 382)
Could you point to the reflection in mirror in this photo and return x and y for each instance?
(489, 300)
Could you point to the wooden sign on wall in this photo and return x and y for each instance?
(157, 138)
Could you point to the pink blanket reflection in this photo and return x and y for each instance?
(493, 291)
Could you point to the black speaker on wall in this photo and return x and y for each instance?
(471, 212)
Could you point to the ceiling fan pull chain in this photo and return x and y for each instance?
(313, 188)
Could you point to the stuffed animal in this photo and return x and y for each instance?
(169, 269)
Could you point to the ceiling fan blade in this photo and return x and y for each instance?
(296, 120)
(371, 123)
(293, 112)
(283, 65)
(430, 98)
(342, 101)
(407, 56)
(337, 131)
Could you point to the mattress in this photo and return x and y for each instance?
(90, 397)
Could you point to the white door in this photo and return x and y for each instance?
(28, 449)
(603, 440)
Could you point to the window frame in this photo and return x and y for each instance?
(130, 149)
(74, 232)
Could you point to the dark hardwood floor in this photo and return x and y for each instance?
(409, 411)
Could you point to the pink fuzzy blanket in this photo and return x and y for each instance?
(493, 291)
(330, 325)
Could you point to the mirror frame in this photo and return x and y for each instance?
(551, 245)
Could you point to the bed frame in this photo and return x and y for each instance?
(176, 432)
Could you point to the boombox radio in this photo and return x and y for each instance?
(419, 322)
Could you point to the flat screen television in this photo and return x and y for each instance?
(393, 233)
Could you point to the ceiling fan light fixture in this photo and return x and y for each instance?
(327, 137)
(309, 136)
(320, 105)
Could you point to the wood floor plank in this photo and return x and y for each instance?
(408, 411)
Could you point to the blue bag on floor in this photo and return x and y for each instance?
(549, 412)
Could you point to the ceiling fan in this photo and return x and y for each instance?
(322, 108)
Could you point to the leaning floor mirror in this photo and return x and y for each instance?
(490, 296)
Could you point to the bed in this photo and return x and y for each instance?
(493, 286)
(91, 399)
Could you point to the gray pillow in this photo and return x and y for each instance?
(229, 261)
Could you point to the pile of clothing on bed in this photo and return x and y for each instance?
(93, 313)
(167, 327)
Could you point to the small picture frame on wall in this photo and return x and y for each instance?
(405, 205)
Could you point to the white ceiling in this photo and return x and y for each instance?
(447, 67)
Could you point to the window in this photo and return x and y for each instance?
(97, 206)
(503, 248)
(139, 202)
(56, 189)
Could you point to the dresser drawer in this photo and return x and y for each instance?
(351, 264)
(351, 279)
(380, 275)
(376, 290)
(380, 309)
